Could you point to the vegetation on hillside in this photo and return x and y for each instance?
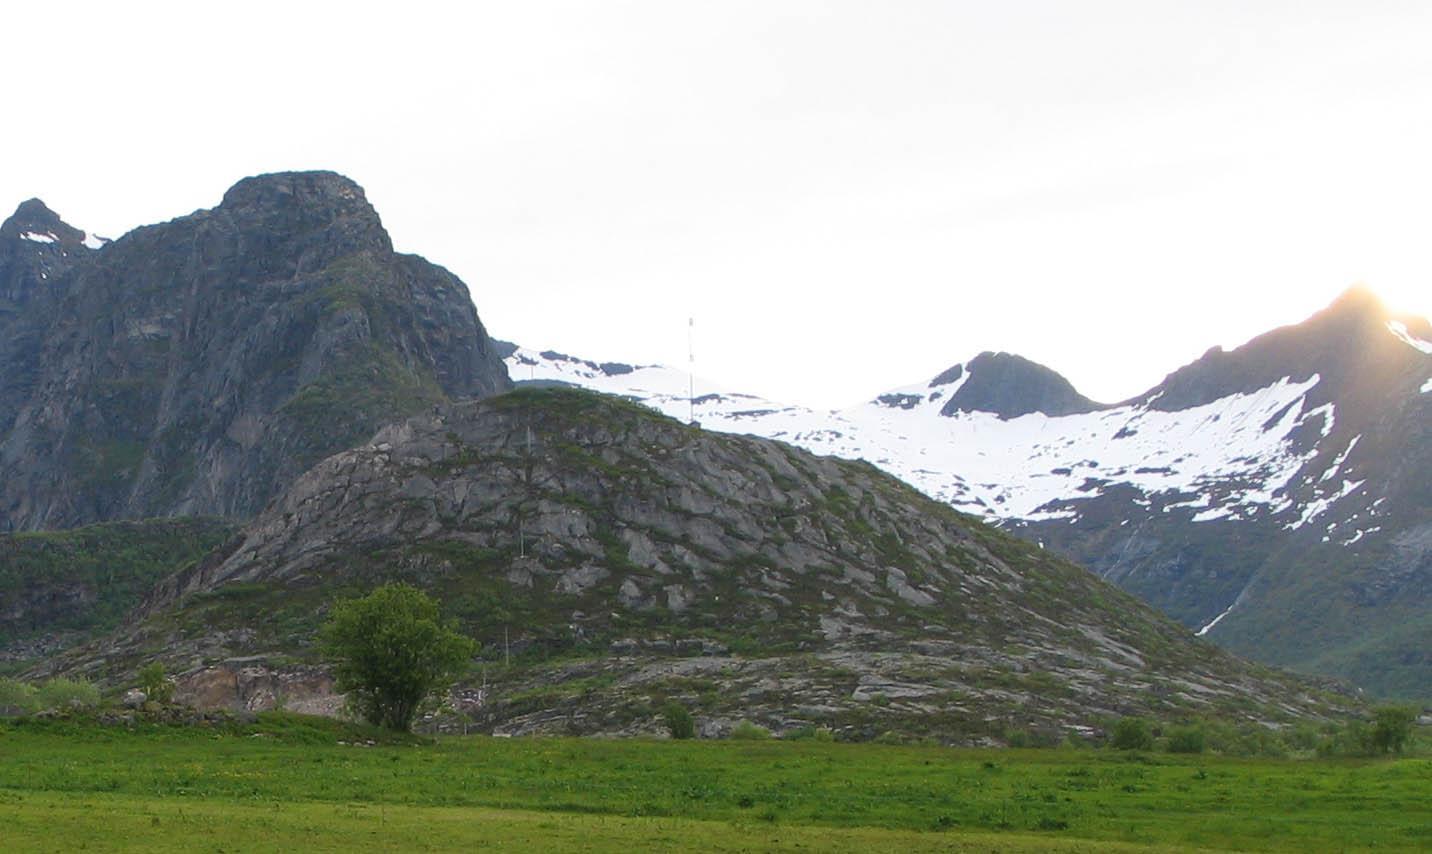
(86, 579)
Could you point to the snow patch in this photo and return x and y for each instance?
(1427, 386)
(1398, 328)
(93, 241)
(1203, 631)
(1319, 506)
(36, 237)
(1337, 463)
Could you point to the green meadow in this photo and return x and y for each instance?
(292, 783)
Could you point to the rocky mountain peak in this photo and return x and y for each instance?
(35, 219)
(250, 340)
(294, 205)
(1010, 386)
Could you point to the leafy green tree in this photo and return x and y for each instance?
(390, 651)
(1132, 733)
(155, 683)
(1391, 728)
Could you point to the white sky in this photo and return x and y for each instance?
(847, 196)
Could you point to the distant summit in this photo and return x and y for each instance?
(1349, 345)
(1009, 386)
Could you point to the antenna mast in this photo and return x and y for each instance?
(690, 371)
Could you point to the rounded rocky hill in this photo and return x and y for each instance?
(611, 559)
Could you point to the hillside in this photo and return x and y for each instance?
(197, 366)
(621, 558)
(1277, 497)
(61, 587)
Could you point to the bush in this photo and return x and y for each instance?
(747, 731)
(810, 733)
(155, 684)
(1353, 738)
(17, 698)
(67, 694)
(1132, 733)
(679, 721)
(1391, 728)
(1186, 739)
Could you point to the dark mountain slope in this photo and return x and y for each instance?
(198, 366)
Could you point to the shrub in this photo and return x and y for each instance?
(17, 698)
(67, 694)
(810, 733)
(747, 731)
(1392, 726)
(1132, 733)
(1186, 739)
(155, 684)
(679, 721)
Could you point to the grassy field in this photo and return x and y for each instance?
(288, 784)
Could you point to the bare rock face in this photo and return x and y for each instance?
(618, 558)
(251, 685)
(198, 366)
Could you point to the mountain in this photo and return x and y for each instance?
(1275, 497)
(621, 559)
(196, 367)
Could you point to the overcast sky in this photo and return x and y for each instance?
(847, 196)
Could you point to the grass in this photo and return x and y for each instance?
(50, 821)
(289, 783)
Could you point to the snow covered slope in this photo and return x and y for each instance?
(1028, 467)
(1306, 446)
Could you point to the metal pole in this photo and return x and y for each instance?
(690, 371)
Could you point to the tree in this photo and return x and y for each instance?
(390, 651)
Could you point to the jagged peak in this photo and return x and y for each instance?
(34, 219)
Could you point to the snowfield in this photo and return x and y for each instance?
(1228, 459)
